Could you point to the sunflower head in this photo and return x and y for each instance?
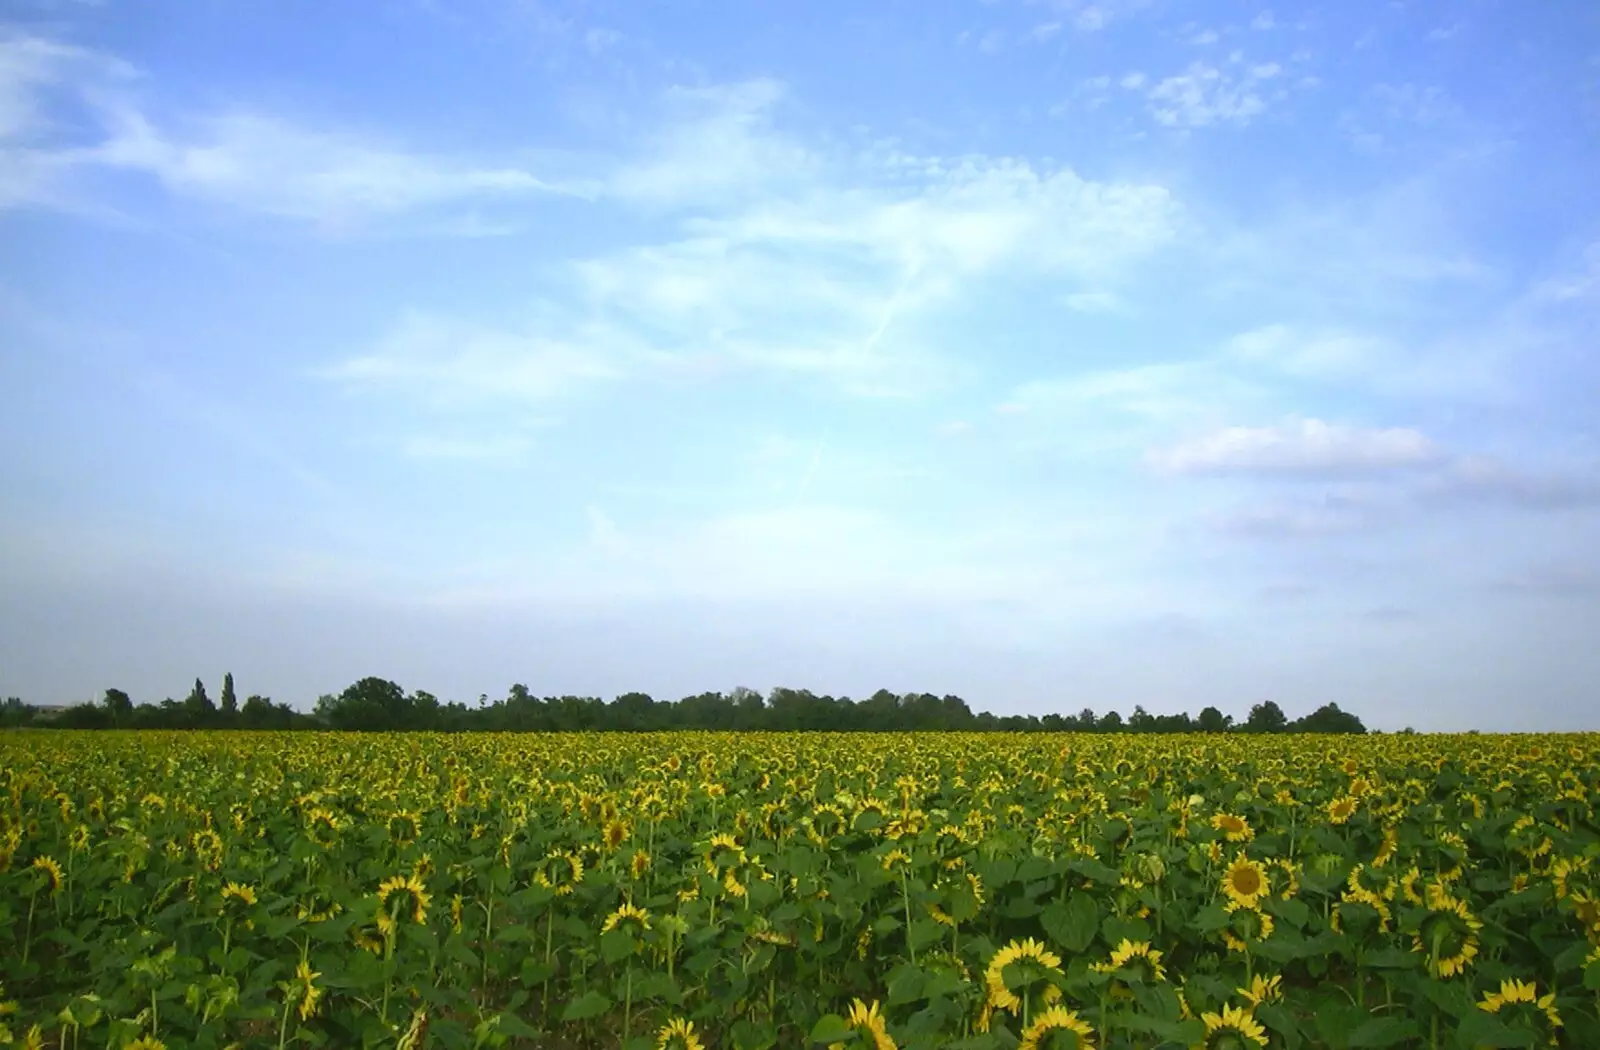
(1057, 1027)
(559, 872)
(1020, 964)
(1262, 990)
(1521, 1000)
(870, 1023)
(1245, 881)
(50, 873)
(678, 1033)
(1235, 1028)
(1342, 809)
(1234, 828)
(1447, 936)
(1134, 959)
(629, 918)
(403, 890)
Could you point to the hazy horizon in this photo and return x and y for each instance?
(1050, 353)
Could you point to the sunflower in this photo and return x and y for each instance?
(1263, 990)
(242, 892)
(1236, 828)
(1408, 885)
(1342, 809)
(1391, 840)
(722, 851)
(1056, 1019)
(1245, 881)
(678, 1033)
(1032, 954)
(639, 863)
(1291, 877)
(1235, 1028)
(413, 888)
(864, 1018)
(560, 871)
(1136, 956)
(1246, 926)
(52, 872)
(1447, 935)
(627, 913)
(208, 847)
(144, 1042)
(1513, 992)
(304, 988)
(616, 832)
(403, 827)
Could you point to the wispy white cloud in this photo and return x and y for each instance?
(1303, 447)
(449, 365)
(251, 161)
(1204, 95)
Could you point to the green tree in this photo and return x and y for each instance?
(1266, 717)
(1213, 721)
(119, 706)
(198, 709)
(230, 702)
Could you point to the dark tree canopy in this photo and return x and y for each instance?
(376, 705)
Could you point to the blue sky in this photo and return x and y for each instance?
(1050, 353)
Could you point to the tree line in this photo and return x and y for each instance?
(378, 705)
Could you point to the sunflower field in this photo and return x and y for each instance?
(683, 890)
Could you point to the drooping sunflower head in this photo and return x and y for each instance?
(1020, 964)
(50, 872)
(615, 833)
(1263, 990)
(1245, 881)
(723, 851)
(1521, 999)
(639, 864)
(627, 917)
(237, 896)
(1235, 1028)
(896, 861)
(403, 827)
(1447, 935)
(403, 890)
(1246, 927)
(1134, 960)
(1234, 827)
(559, 872)
(1057, 1029)
(869, 1022)
(678, 1033)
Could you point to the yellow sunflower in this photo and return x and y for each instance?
(1447, 935)
(1246, 926)
(1234, 1026)
(1342, 809)
(1245, 881)
(864, 1018)
(1513, 992)
(1027, 953)
(1056, 1019)
(1263, 990)
(629, 914)
(413, 888)
(244, 893)
(560, 871)
(1236, 828)
(52, 872)
(1137, 956)
(678, 1033)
